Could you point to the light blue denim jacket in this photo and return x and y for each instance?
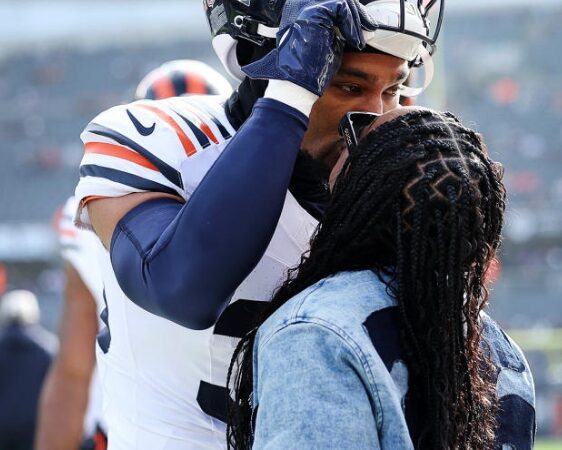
(328, 373)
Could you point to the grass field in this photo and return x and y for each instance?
(548, 445)
(538, 339)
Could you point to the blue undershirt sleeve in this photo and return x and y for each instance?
(184, 262)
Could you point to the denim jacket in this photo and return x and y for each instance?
(329, 374)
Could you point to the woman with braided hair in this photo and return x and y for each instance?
(379, 339)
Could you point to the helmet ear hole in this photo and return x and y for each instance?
(247, 52)
(244, 52)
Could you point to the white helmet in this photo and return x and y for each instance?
(401, 28)
(182, 77)
(20, 307)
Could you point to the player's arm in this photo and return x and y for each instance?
(64, 397)
(105, 213)
(183, 262)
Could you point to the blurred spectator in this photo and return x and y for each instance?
(3, 279)
(26, 351)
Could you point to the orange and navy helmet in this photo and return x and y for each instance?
(182, 77)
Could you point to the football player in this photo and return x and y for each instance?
(187, 267)
(182, 77)
(70, 408)
(71, 397)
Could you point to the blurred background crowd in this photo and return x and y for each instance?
(498, 68)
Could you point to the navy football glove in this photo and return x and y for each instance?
(310, 43)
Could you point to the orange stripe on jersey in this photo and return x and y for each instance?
(202, 125)
(102, 148)
(188, 146)
(66, 232)
(164, 88)
(195, 84)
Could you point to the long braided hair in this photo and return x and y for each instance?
(421, 204)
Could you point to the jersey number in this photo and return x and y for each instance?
(236, 320)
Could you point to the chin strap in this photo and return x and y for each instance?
(267, 32)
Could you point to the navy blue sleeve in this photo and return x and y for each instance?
(184, 262)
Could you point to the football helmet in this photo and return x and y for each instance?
(407, 29)
(181, 77)
(19, 307)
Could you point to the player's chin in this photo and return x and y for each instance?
(326, 155)
(333, 153)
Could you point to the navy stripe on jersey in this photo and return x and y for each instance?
(201, 137)
(224, 132)
(171, 174)
(222, 129)
(124, 178)
(239, 318)
(104, 336)
(212, 400)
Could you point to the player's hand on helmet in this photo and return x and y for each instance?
(310, 43)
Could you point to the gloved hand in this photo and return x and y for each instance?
(310, 43)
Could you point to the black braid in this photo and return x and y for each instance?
(420, 204)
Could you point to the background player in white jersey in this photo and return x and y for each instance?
(70, 407)
(179, 243)
(71, 398)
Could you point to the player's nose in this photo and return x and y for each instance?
(373, 103)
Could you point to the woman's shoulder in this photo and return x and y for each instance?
(328, 330)
(342, 301)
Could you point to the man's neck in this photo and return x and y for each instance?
(239, 106)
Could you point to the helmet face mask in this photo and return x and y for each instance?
(406, 29)
(401, 27)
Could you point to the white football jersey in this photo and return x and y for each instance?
(164, 385)
(81, 249)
